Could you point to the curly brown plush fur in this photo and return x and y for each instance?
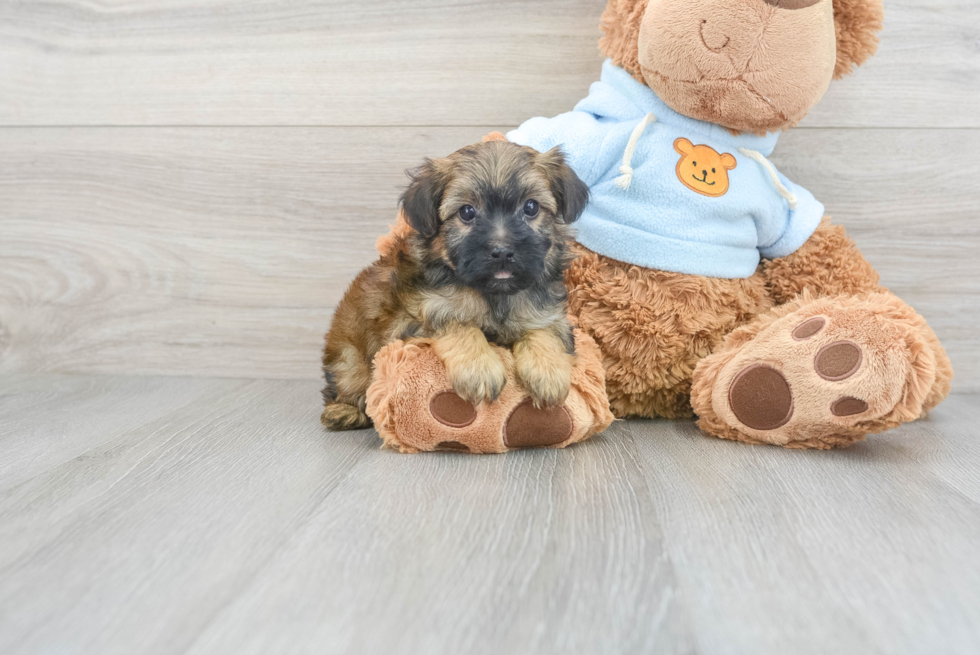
(829, 262)
(620, 24)
(857, 24)
(654, 326)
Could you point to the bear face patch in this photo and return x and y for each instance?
(702, 169)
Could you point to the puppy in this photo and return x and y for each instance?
(483, 264)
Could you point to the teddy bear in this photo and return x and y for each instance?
(712, 285)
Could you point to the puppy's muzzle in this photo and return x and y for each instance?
(503, 256)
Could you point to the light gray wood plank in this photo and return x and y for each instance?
(225, 249)
(222, 251)
(542, 552)
(945, 458)
(237, 525)
(864, 550)
(38, 431)
(380, 62)
(137, 543)
(164, 542)
(927, 64)
(389, 62)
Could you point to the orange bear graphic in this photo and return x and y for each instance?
(702, 169)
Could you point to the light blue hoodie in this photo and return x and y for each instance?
(676, 214)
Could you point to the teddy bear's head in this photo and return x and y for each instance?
(749, 65)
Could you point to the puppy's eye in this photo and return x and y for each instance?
(531, 208)
(467, 213)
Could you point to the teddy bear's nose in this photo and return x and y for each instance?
(704, 172)
(791, 4)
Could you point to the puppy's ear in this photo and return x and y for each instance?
(423, 197)
(571, 193)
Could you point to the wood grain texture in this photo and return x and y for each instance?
(212, 491)
(392, 62)
(222, 251)
(861, 551)
(232, 523)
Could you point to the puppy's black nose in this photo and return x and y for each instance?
(502, 253)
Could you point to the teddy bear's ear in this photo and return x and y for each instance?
(857, 23)
(728, 161)
(621, 42)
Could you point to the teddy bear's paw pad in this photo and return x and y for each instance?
(838, 361)
(848, 406)
(452, 411)
(760, 397)
(453, 446)
(809, 328)
(530, 427)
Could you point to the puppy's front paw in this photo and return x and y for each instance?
(546, 379)
(479, 379)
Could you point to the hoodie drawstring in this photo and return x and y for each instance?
(626, 177)
(783, 191)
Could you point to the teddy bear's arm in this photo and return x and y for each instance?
(828, 264)
(579, 134)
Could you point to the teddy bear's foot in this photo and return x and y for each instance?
(822, 373)
(415, 408)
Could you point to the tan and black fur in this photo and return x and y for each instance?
(484, 263)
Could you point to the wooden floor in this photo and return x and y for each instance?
(187, 515)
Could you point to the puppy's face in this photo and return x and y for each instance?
(495, 213)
